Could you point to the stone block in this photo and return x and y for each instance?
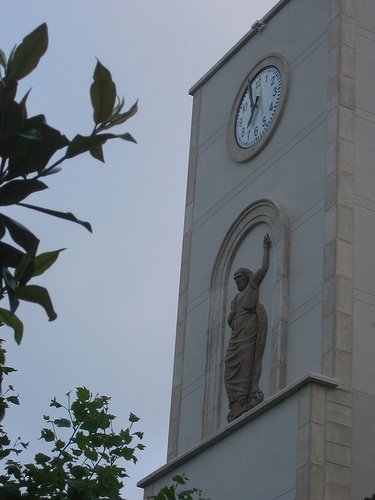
(317, 444)
(334, 492)
(345, 155)
(330, 223)
(303, 445)
(347, 60)
(338, 414)
(337, 474)
(344, 295)
(345, 189)
(344, 331)
(339, 396)
(331, 186)
(346, 91)
(338, 454)
(346, 123)
(348, 30)
(316, 482)
(328, 333)
(329, 259)
(338, 433)
(344, 218)
(318, 402)
(344, 258)
(304, 406)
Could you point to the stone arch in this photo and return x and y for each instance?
(272, 214)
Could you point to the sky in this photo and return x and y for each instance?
(115, 291)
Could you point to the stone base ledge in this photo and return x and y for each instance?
(310, 378)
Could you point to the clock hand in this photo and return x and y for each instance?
(253, 108)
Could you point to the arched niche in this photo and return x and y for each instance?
(272, 216)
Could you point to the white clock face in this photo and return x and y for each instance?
(258, 106)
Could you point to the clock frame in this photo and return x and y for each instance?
(259, 117)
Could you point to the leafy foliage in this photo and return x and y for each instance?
(28, 150)
(171, 492)
(87, 456)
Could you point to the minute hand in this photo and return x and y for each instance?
(253, 106)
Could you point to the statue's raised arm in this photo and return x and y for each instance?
(260, 274)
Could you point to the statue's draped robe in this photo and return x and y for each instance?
(243, 358)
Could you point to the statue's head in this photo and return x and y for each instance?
(242, 277)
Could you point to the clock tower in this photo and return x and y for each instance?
(273, 387)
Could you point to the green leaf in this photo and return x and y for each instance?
(81, 144)
(83, 394)
(103, 93)
(3, 59)
(12, 321)
(47, 435)
(62, 422)
(27, 55)
(61, 215)
(17, 190)
(32, 134)
(133, 418)
(27, 155)
(13, 399)
(41, 458)
(25, 269)
(20, 234)
(9, 255)
(120, 117)
(37, 295)
(45, 260)
(97, 152)
(180, 479)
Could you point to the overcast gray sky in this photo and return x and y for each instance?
(115, 291)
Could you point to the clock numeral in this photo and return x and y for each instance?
(244, 106)
(274, 93)
(256, 132)
(264, 121)
(273, 80)
(242, 132)
(258, 82)
(271, 108)
(240, 122)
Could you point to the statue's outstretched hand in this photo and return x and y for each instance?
(267, 241)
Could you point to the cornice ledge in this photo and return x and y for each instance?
(310, 378)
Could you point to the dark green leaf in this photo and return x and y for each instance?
(25, 269)
(47, 435)
(14, 191)
(3, 59)
(41, 458)
(20, 234)
(12, 321)
(9, 255)
(97, 152)
(81, 144)
(122, 117)
(13, 399)
(27, 155)
(11, 120)
(103, 93)
(33, 134)
(133, 418)
(62, 422)
(179, 479)
(83, 394)
(44, 261)
(27, 55)
(37, 295)
(61, 215)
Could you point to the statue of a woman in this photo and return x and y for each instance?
(248, 321)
